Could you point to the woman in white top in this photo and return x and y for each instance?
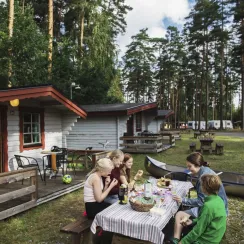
(94, 190)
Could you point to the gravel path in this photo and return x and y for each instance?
(234, 134)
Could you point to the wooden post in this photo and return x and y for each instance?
(33, 181)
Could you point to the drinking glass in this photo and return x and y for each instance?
(138, 187)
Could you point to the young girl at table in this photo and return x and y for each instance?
(95, 191)
(125, 168)
(117, 157)
(198, 167)
(210, 226)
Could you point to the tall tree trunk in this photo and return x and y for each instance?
(242, 75)
(168, 93)
(82, 21)
(207, 90)
(50, 32)
(10, 34)
(221, 74)
(201, 87)
(221, 87)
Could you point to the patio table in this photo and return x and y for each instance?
(53, 158)
(122, 219)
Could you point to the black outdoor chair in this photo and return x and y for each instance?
(56, 149)
(47, 164)
(27, 162)
(68, 158)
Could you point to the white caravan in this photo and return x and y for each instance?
(194, 125)
(215, 124)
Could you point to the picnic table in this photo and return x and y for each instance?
(122, 219)
(206, 145)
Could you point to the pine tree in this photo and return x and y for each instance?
(138, 62)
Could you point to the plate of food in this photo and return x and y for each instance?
(163, 182)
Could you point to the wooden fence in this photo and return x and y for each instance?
(14, 176)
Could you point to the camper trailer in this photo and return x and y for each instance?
(215, 124)
(194, 125)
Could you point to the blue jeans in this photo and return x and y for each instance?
(111, 199)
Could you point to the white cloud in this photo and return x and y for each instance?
(150, 14)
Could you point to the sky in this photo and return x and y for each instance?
(156, 15)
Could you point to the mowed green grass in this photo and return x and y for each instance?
(42, 224)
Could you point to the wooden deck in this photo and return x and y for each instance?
(54, 188)
(147, 144)
(142, 144)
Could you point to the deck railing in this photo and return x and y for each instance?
(14, 176)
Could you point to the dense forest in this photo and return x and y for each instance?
(196, 70)
(59, 42)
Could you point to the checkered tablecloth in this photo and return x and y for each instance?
(122, 219)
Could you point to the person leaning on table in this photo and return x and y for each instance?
(210, 226)
(95, 191)
(117, 157)
(197, 166)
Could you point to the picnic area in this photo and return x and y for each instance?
(30, 227)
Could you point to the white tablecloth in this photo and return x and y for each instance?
(122, 219)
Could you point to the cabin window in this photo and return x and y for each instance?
(138, 122)
(31, 129)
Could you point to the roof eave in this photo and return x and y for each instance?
(35, 92)
(141, 107)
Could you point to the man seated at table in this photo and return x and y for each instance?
(210, 226)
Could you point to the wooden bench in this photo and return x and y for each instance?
(79, 228)
(219, 148)
(192, 147)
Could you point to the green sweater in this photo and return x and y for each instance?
(210, 226)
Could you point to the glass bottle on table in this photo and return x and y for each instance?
(123, 194)
(148, 189)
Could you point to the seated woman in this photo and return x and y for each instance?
(125, 169)
(197, 166)
(94, 190)
(117, 157)
(210, 226)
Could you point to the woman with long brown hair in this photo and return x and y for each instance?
(125, 172)
(198, 167)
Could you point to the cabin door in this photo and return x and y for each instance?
(130, 126)
(2, 139)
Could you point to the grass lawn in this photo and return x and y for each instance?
(41, 225)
